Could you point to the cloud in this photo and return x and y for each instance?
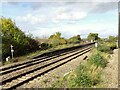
(70, 30)
(32, 19)
(92, 6)
(55, 12)
(69, 18)
(104, 7)
(70, 15)
(52, 15)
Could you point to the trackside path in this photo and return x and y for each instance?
(110, 73)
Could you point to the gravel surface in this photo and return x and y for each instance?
(47, 79)
(110, 73)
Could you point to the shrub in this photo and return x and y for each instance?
(56, 39)
(97, 60)
(83, 79)
(112, 38)
(85, 76)
(104, 48)
(112, 45)
(45, 46)
(74, 39)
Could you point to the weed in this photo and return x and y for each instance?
(104, 48)
(97, 60)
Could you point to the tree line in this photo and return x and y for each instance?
(23, 44)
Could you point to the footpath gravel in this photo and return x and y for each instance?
(110, 73)
(47, 79)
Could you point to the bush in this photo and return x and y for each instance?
(97, 60)
(84, 76)
(104, 48)
(112, 45)
(74, 39)
(56, 39)
(45, 46)
(83, 79)
(107, 47)
(87, 74)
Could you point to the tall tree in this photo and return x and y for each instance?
(93, 36)
(12, 35)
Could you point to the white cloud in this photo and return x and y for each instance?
(66, 13)
(32, 19)
(69, 11)
(71, 16)
(57, 15)
(54, 15)
(75, 29)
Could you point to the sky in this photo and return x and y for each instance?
(70, 18)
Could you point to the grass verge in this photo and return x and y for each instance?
(87, 74)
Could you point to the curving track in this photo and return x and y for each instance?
(20, 73)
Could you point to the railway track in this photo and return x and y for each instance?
(31, 62)
(20, 73)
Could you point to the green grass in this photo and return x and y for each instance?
(98, 60)
(107, 47)
(82, 77)
(104, 48)
(87, 74)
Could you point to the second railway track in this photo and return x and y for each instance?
(18, 76)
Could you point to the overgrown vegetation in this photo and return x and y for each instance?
(12, 35)
(98, 60)
(74, 39)
(112, 45)
(87, 76)
(104, 48)
(93, 37)
(88, 73)
(56, 39)
(45, 46)
(108, 46)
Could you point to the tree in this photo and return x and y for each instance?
(93, 37)
(56, 39)
(112, 38)
(62, 41)
(74, 39)
(12, 35)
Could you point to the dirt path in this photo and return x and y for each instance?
(110, 73)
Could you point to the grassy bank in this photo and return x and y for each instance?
(88, 73)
